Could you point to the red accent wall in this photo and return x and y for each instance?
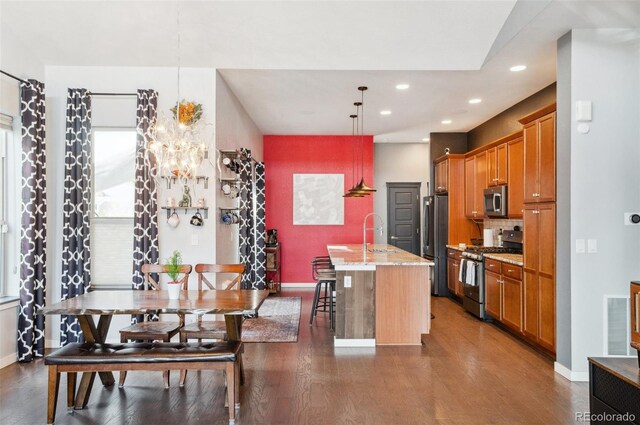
(285, 156)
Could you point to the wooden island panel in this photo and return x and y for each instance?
(403, 307)
(355, 306)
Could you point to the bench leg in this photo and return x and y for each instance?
(183, 377)
(52, 396)
(231, 390)
(84, 391)
(71, 389)
(123, 374)
(165, 377)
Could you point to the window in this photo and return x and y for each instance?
(9, 209)
(113, 182)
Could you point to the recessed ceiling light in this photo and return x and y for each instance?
(518, 68)
(402, 86)
(475, 100)
(385, 112)
(426, 139)
(446, 121)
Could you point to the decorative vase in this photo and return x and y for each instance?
(174, 290)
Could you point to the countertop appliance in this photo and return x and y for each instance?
(495, 201)
(435, 235)
(473, 256)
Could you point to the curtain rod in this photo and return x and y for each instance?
(14, 77)
(112, 94)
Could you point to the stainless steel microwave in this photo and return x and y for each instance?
(495, 201)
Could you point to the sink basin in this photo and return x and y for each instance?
(381, 250)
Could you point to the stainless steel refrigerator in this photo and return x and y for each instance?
(435, 234)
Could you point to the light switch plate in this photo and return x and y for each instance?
(347, 281)
(592, 246)
(580, 246)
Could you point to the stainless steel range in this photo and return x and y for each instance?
(472, 270)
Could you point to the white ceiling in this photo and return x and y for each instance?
(295, 65)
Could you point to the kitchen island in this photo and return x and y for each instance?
(383, 296)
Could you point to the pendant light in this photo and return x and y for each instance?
(362, 186)
(352, 193)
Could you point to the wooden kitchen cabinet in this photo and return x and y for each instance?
(540, 155)
(515, 176)
(453, 271)
(635, 317)
(503, 293)
(442, 177)
(497, 172)
(475, 175)
(539, 274)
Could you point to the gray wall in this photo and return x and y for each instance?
(506, 122)
(398, 162)
(604, 67)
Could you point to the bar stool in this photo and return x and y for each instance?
(324, 274)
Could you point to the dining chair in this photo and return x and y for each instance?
(211, 329)
(160, 330)
(324, 273)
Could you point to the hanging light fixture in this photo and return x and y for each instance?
(352, 193)
(177, 142)
(362, 186)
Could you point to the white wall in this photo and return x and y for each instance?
(395, 163)
(604, 180)
(234, 130)
(195, 84)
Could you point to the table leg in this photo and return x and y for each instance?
(92, 334)
(234, 333)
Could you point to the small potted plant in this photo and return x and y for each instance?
(173, 270)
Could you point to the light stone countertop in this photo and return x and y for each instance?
(516, 259)
(377, 255)
(456, 247)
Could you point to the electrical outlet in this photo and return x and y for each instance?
(631, 218)
(580, 246)
(347, 281)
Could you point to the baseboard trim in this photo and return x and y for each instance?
(9, 359)
(369, 342)
(293, 285)
(567, 373)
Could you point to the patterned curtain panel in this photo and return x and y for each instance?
(76, 259)
(259, 228)
(145, 219)
(33, 235)
(246, 235)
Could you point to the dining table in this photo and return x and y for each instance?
(105, 304)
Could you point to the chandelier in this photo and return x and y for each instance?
(177, 142)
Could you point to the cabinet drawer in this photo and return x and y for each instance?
(454, 254)
(512, 271)
(492, 265)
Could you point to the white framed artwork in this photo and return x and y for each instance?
(317, 199)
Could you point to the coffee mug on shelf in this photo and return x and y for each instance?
(171, 202)
(226, 188)
(173, 220)
(227, 217)
(197, 220)
(200, 203)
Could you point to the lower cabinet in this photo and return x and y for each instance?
(453, 270)
(635, 317)
(504, 293)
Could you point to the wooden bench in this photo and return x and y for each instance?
(150, 356)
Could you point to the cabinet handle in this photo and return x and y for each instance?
(637, 298)
(490, 266)
(509, 271)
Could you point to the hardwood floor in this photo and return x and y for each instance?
(468, 373)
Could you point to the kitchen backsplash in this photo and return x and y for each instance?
(502, 224)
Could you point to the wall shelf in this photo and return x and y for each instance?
(186, 210)
(172, 179)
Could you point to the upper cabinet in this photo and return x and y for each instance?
(475, 178)
(497, 172)
(540, 155)
(515, 176)
(442, 176)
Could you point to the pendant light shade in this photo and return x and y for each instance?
(352, 193)
(362, 188)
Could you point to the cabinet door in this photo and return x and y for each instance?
(546, 275)
(531, 162)
(452, 275)
(442, 175)
(512, 295)
(501, 164)
(547, 158)
(492, 167)
(492, 287)
(480, 183)
(515, 176)
(547, 313)
(469, 187)
(531, 248)
(530, 301)
(635, 314)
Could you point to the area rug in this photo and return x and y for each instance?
(278, 321)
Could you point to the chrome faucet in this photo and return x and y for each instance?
(365, 228)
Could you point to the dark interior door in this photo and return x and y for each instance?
(403, 216)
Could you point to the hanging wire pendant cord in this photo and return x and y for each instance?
(362, 188)
(352, 193)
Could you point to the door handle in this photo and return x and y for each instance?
(393, 237)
